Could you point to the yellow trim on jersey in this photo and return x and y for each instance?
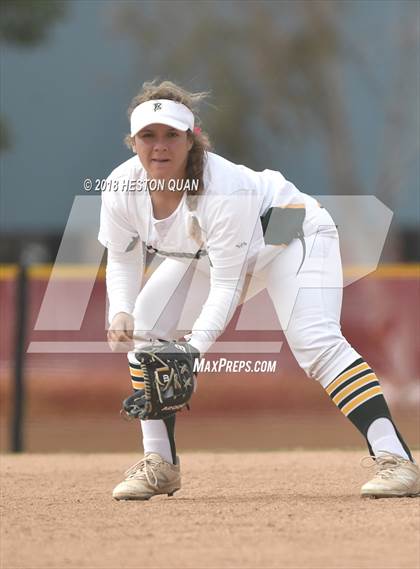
(137, 384)
(293, 206)
(362, 398)
(346, 375)
(354, 387)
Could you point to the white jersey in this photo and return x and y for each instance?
(228, 213)
(234, 199)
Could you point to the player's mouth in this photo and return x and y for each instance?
(160, 160)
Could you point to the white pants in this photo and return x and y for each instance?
(307, 304)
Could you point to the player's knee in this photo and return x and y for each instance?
(327, 359)
(335, 362)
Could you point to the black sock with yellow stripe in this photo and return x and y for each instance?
(137, 383)
(358, 394)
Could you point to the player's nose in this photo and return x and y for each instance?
(160, 144)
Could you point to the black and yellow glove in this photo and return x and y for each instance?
(163, 380)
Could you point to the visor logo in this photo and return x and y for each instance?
(157, 107)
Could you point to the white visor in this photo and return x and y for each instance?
(161, 111)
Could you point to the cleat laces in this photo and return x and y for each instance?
(386, 463)
(144, 468)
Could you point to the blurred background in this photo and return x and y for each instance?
(327, 92)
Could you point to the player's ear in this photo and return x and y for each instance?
(190, 140)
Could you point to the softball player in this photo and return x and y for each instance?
(225, 232)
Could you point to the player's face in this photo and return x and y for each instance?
(163, 151)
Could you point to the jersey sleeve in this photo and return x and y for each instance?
(124, 273)
(116, 233)
(234, 237)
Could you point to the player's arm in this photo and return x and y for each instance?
(123, 282)
(125, 265)
(234, 237)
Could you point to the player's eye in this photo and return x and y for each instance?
(173, 134)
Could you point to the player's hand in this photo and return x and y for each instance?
(120, 333)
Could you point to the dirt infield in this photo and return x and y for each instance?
(294, 509)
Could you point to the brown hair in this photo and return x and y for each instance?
(201, 144)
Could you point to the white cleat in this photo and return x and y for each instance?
(150, 476)
(396, 478)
